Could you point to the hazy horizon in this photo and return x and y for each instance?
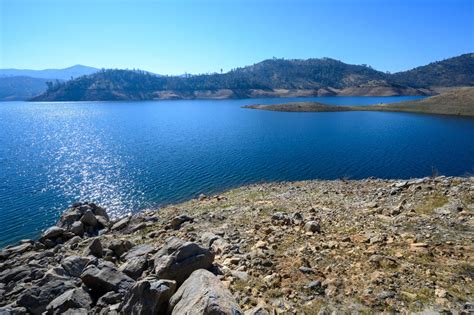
(177, 37)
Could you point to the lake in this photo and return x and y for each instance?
(129, 156)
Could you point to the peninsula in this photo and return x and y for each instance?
(459, 102)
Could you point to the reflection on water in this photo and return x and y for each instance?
(128, 156)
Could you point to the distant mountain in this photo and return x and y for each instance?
(60, 74)
(21, 88)
(269, 78)
(23, 84)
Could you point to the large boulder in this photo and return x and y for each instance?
(120, 247)
(89, 219)
(52, 233)
(178, 259)
(95, 248)
(71, 299)
(203, 294)
(135, 266)
(148, 297)
(74, 265)
(14, 274)
(139, 250)
(105, 277)
(36, 299)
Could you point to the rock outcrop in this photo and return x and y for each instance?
(322, 247)
(178, 259)
(149, 296)
(202, 293)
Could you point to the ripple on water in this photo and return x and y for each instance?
(130, 156)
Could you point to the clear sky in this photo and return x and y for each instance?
(199, 36)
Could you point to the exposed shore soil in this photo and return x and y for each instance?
(310, 247)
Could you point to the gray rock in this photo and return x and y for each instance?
(120, 224)
(71, 299)
(149, 296)
(139, 250)
(88, 218)
(257, 310)
(306, 270)
(76, 311)
(102, 221)
(207, 238)
(99, 211)
(281, 218)
(74, 265)
(135, 266)
(176, 222)
(53, 232)
(385, 295)
(241, 275)
(15, 250)
(10, 310)
(105, 277)
(312, 226)
(68, 217)
(95, 248)
(14, 274)
(202, 293)
(109, 298)
(178, 259)
(218, 244)
(77, 228)
(120, 247)
(37, 298)
(56, 273)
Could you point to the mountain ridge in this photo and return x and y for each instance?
(268, 78)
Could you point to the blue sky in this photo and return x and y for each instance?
(199, 36)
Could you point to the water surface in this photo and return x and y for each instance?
(130, 156)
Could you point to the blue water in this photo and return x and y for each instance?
(130, 156)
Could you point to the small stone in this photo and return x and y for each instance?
(306, 270)
(261, 244)
(176, 222)
(385, 295)
(418, 247)
(312, 226)
(441, 293)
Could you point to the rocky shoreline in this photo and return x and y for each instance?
(311, 247)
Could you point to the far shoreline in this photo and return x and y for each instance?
(459, 102)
